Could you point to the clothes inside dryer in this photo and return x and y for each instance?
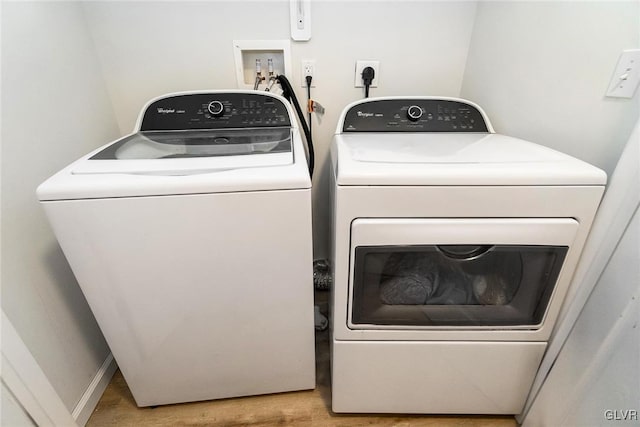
(440, 285)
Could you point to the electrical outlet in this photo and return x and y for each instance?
(626, 75)
(308, 68)
(361, 65)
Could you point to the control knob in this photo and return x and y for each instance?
(414, 113)
(216, 108)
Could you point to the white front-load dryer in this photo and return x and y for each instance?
(453, 249)
(191, 240)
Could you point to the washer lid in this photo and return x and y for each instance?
(198, 169)
(454, 159)
(198, 143)
(185, 152)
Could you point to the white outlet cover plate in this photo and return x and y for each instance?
(361, 65)
(626, 76)
(303, 64)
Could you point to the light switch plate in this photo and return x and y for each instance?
(300, 16)
(626, 76)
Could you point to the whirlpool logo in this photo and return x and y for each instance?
(362, 114)
(170, 111)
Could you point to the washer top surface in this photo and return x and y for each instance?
(193, 143)
(378, 142)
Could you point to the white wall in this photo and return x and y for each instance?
(12, 414)
(598, 369)
(592, 363)
(150, 48)
(541, 69)
(54, 109)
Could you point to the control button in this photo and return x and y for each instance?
(216, 108)
(414, 113)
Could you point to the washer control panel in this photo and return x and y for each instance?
(216, 110)
(414, 115)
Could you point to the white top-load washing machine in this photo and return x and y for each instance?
(453, 249)
(191, 240)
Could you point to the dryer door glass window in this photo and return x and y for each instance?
(454, 285)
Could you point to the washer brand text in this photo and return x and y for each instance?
(361, 114)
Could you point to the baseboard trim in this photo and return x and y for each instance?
(92, 394)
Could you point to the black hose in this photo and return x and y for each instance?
(289, 94)
(309, 117)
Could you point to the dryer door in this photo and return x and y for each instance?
(472, 273)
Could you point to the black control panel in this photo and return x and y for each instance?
(414, 115)
(215, 111)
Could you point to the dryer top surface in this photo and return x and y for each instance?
(454, 159)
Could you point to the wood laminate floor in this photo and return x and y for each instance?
(304, 408)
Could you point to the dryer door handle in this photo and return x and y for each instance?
(464, 252)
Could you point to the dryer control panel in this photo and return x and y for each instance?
(414, 115)
(215, 110)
